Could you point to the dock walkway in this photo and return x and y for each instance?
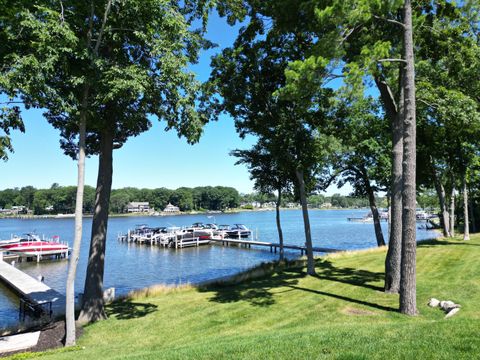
(31, 289)
(273, 246)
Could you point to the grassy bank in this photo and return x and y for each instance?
(340, 314)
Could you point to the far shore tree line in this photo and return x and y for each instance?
(299, 77)
(61, 199)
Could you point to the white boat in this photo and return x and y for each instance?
(202, 231)
(238, 231)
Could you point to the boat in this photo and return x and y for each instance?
(238, 231)
(423, 215)
(202, 231)
(382, 216)
(32, 245)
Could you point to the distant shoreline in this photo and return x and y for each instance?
(162, 214)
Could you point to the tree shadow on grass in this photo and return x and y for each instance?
(261, 292)
(434, 242)
(347, 299)
(127, 309)
(257, 292)
(357, 277)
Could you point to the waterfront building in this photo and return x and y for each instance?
(171, 208)
(135, 207)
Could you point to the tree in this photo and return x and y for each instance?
(365, 156)
(251, 77)
(136, 69)
(266, 171)
(408, 301)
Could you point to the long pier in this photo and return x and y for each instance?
(34, 291)
(273, 246)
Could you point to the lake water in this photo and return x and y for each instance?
(131, 266)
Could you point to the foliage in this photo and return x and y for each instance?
(61, 199)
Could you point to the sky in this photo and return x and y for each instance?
(153, 159)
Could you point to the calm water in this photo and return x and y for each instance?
(131, 266)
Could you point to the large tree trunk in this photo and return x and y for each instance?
(472, 215)
(279, 227)
(393, 258)
(444, 219)
(466, 229)
(408, 287)
(72, 268)
(392, 261)
(306, 222)
(374, 209)
(93, 305)
(452, 211)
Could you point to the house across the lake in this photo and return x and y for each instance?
(171, 208)
(136, 207)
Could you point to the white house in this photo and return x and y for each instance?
(135, 207)
(171, 208)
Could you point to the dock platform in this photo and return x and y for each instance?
(34, 291)
(273, 246)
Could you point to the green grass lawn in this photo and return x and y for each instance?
(340, 314)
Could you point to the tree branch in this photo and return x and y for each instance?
(347, 34)
(391, 21)
(432, 105)
(62, 17)
(387, 97)
(391, 60)
(102, 29)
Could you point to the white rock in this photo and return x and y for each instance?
(109, 295)
(448, 305)
(452, 312)
(433, 302)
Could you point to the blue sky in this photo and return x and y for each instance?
(153, 159)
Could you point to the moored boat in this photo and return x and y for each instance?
(238, 231)
(31, 245)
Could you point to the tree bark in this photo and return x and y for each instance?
(72, 268)
(279, 227)
(374, 209)
(452, 211)
(394, 252)
(466, 229)
(93, 305)
(408, 287)
(472, 215)
(306, 222)
(445, 221)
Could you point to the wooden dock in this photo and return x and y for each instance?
(34, 291)
(189, 242)
(273, 246)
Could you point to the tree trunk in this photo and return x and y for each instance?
(279, 227)
(374, 209)
(72, 268)
(394, 253)
(306, 222)
(452, 211)
(444, 219)
(466, 229)
(472, 215)
(93, 305)
(408, 287)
